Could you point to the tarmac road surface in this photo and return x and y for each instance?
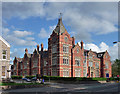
(60, 87)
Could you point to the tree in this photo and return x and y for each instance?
(116, 68)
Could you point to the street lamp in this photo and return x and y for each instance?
(116, 42)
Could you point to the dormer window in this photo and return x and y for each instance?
(4, 54)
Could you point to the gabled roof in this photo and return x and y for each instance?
(19, 59)
(3, 40)
(60, 27)
(100, 54)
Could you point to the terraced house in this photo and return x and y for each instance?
(63, 58)
(4, 59)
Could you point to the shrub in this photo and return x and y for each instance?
(30, 77)
(16, 77)
(99, 79)
(77, 78)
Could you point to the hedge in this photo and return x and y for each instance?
(30, 76)
(77, 78)
(16, 77)
(68, 78)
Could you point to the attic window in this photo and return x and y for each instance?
(99, 55)
(77, 50)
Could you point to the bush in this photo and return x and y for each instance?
(99, 79)
(75, 78)
(16, 77)
(30, 77)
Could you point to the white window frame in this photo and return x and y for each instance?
(54, 60)
(97, 72)
(65, 48)
(4, 55)
(96, 65)
(65, 60)
(77, 73)
(106, 65)
(77, 50)
(66, 72)
(77, 61)
(84, 63)
(84, 72)
(5, 72)
(90, 64)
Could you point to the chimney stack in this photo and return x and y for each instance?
(81, 44)
(26, 51)
(38, 47)
(41, 46)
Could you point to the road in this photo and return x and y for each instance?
(60, 87)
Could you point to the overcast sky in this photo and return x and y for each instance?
(27, 24)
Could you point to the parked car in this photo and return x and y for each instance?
(26, 79)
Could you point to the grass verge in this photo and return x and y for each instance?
(8, 84)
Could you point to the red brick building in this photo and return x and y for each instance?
(63, 58)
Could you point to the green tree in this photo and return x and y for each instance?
(116, 68)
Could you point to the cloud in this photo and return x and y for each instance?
(16, 38)
(51, 28)
(98, 17)
(45, 34)
(30, 38)
(22, 33)
(22, 10)
(5, 31)
(92, 46)
(112, 50)
(16, 52)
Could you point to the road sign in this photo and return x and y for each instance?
(107, 75)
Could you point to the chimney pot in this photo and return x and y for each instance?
(41, 46)
(26, 50)
(37, 47)
(81, 44)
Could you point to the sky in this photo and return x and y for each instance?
(26, 24)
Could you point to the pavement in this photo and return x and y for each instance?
(61, 87)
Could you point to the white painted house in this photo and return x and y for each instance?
(4, 58)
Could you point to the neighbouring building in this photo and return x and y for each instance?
(63, 58)
(4, 59)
